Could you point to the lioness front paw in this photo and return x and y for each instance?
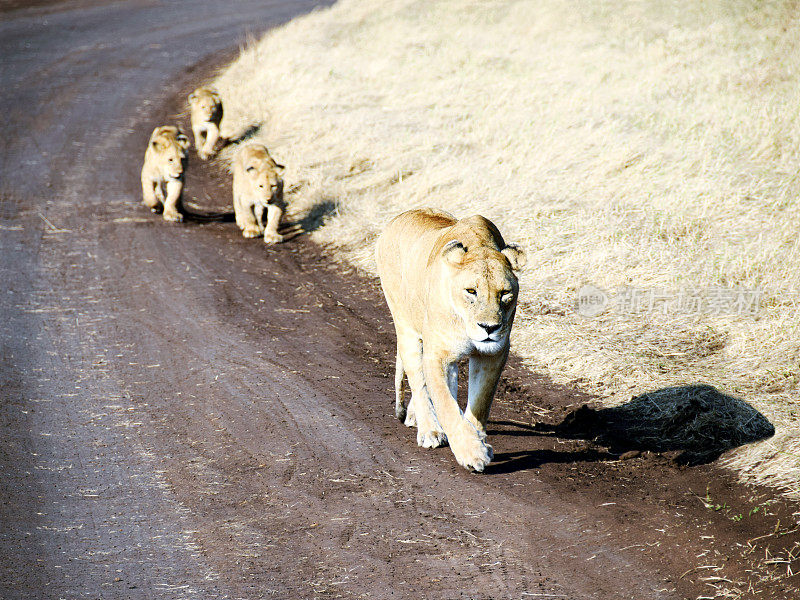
(173, 216)
(470, 449)
(431, 439)
(250, 232)
(272, 238)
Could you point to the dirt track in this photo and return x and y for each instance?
(188, 415)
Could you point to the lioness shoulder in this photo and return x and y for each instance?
(452, 288)
(257, 188)
(162, 172)
(205, 108)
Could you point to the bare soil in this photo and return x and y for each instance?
(188, 414)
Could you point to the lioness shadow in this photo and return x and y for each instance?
(697, 420)
(524, 460)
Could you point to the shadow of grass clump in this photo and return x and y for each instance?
(246, 134)
(315, 217)
(697, 420)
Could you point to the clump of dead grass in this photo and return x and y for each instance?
(623, 143)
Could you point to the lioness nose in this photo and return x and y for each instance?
(490, 329)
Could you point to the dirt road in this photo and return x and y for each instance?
(185, 414)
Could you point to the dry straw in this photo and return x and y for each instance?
(646, 144)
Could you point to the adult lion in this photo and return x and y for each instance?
(205, 109)
(257, 187)
(163, 168)
(452, 290)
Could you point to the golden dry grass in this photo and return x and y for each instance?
(644, 144)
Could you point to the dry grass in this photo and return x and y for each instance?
(653, 145)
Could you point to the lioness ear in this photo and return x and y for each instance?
(183, 141)
(515, 255)
(454, 252)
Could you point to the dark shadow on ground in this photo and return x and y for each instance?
(697, 420)
(314, 218)
(208, 217)
(510, 462)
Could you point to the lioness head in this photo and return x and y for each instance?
(263, 172)
(169, 146)
(483, 290)
(204, 103)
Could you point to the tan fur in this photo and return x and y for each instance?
(257, 187)
(205, 107)
(451, 289)
(163, 169)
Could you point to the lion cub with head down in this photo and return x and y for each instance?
(257, 188)
(205, 107)
(163, 168)
(452, 290)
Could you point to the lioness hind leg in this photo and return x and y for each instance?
(399, 379)
(429, 433)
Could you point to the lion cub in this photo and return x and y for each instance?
(452, 290)
(163, 168)
(257, 187)
(205, 106)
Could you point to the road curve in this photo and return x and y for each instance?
(187, 415)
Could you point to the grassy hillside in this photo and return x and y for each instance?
(650, 146)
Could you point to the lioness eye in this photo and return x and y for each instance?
(471, 291)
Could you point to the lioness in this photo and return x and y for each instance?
(205, 107)
(451, 289)
(257, 187)
(163, 168)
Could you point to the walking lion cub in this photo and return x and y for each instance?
(163, 168)
(452, 290)
(205, 108)
(257, 187)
